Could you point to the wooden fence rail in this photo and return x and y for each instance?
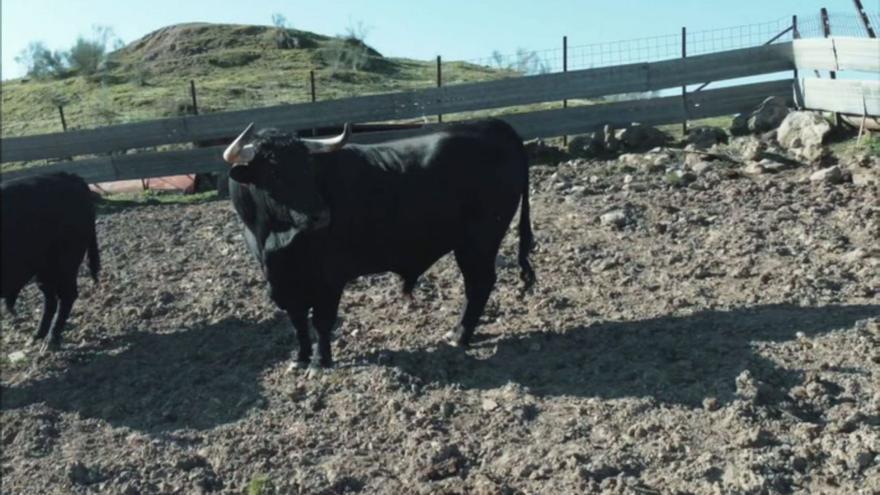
(827, 54)
(587, 83)
(569, 120)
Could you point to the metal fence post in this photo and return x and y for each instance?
(565, 69)
(826, 29)
(312, 84)
(865, 21)
(63, 122)
(439, 83)
(192, 91)
(684, 104)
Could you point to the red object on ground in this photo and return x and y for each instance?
(182, 183)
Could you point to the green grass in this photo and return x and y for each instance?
(112, 203)
(257, 485)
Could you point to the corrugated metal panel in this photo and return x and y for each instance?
(844, 96)
(858, 54)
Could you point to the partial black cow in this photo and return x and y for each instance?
(48, 226)
(318, 213)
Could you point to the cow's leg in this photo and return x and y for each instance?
(50, 306)
(324, 319)
(478, 269)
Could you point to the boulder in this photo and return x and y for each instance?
(641, 138)
(540, 152)
(802, 130)
(704, 137)
(767, 116)
(586, 145)
(830, 175)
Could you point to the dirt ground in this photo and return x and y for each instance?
(715, 333)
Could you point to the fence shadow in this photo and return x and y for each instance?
(675, 360)
(197, 378)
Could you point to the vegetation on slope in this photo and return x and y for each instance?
(233, 67)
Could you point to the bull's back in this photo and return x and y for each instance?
(414, 205)
(39, 215)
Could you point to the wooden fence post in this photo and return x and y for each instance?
(63, 121)
(684, 104)
(192, 92)
(439, 83)
(565, 69)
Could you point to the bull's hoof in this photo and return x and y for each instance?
(50, 345)
(296, 365)
(456, 337)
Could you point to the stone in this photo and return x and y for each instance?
(540, 152)
(704, 137)
(701, 167)
(767, 116)
(614, 218)
(16, 356)
(641, 137)
(753, 168)
(830, 175)
(802, 130)
(489, 405)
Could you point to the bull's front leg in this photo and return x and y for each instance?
(298, 313)
(300, 321)
(324, 319)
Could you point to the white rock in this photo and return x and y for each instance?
(16, 356)
(614, 218)
(489, 405)
(830, 175)
(701, 167)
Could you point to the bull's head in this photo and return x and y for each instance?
(283, 166)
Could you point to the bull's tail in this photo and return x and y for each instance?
(526, 238)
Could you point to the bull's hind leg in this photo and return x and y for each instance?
(67, 294)
(50, 306)
(478, 269)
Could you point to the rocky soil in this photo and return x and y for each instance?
(698, 327)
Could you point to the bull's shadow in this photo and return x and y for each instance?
(195, 378)
(676, 360)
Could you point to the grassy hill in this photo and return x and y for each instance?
(233, 66)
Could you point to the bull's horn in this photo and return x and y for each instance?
(236, 152)
(327, 145)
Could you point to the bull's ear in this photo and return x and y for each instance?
(242, 173)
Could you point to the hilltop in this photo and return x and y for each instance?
(233, 67)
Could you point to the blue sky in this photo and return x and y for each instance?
(455, 29)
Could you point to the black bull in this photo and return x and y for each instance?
(48, 225)
(319, 213)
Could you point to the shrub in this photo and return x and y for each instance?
(525, 62)
(85, 56)
(40, 62)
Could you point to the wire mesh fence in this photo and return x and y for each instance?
(332, 83)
